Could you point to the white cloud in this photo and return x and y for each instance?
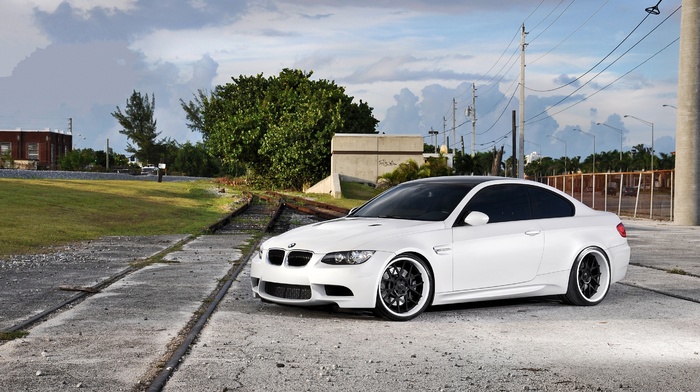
(84, 6)
(19, 37)
(375, 49)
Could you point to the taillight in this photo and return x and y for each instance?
(621, 230)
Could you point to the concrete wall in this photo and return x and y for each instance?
(330, 185)
(364, 158)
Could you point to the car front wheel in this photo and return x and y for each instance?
(405, 289)
(589, 280)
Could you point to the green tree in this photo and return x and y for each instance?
(429, 148)
(193, 160)
(278, 128)
(462, 164)
(544, 166)
(6, 160)
(483, 161)
(78, 160)
(438, 166)
(89, 159)
(665, 162)
(139, 126)
(406, 171)
(641, 157)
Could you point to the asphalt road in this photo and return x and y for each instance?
(645, 336)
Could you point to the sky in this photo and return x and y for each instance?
(413, 61)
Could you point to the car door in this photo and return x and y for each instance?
(505, 251)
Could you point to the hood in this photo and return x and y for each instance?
(348, 234)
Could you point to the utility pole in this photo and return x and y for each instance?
(472, 111)
(521, 144)
(687, 194)
(454, 125)
(444, 134)
(70, 132)
(514, 162)
(107, 155)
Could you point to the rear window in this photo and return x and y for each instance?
(547, 204)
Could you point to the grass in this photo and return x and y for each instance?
(40, 213)
(13, 335)
(677, 271)
(354, 194)
(359, 192)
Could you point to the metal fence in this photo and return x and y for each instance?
(634, 194)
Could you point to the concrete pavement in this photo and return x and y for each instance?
(665, 257)
(115, 340)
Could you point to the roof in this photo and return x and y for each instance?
(47, 130)
(472, 180)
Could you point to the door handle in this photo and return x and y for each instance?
(532, 232)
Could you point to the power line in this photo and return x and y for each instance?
(517, 33)
(572, 33)
(554, 21)
(608, 66)
(500, 74)
(609, 84)
(598, 63)
(500, 115)
(499, 59)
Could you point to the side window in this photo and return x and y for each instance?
(547, 204)
(502, 203)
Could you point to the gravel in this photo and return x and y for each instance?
(70, 175)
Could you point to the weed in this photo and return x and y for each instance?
(13, 335)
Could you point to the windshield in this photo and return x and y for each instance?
(416, 201)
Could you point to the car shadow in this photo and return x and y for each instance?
(333, 311)
(545, 301)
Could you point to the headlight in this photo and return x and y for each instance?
(347, 258)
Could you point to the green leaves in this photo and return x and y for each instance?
(140, 127)
(280, 128)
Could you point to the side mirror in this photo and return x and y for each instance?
(476, 218)
(352, 210)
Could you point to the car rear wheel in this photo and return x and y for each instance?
(589, 280)
(405, 289)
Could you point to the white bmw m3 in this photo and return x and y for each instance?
(447, 240)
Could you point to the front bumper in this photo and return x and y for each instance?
(316, 283)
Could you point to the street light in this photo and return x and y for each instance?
(431, 133)
(566, 156)
(618, 130)
(652, 136)
(593, 136)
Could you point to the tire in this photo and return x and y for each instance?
(405, 289)
(589, 280)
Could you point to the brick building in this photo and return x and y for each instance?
(34, 149)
